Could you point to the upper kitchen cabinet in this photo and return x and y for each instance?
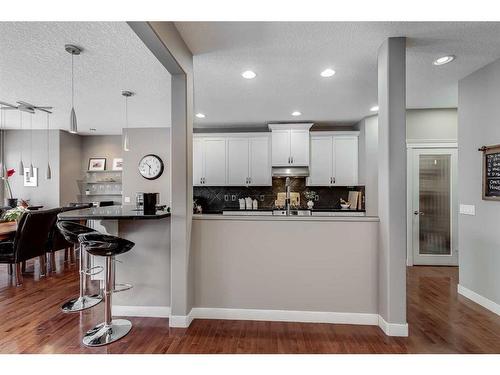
(334, 159)
(209, 161)
(290, 144)
(241, 159)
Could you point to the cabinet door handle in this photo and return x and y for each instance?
(333, 179)
(291, 157)
(249, 180)
(330, 180)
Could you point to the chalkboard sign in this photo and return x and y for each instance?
(491, 172)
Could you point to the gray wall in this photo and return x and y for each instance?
(47, 191)
(142, 142)
(422, 125)
(478, 115)
(431, 124)
(100, 146)
(70, 153)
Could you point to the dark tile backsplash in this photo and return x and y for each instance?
(212, 199)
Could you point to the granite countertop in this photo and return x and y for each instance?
(111, 213)
(280, 209)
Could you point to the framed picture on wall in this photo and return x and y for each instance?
(31, 180)
(97, 164)
(117, 164)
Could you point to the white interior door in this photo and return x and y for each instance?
(237, 161)
(346, 160)
(260, 166)
(299, 147)
(320, 170)
(434, 207)
(214, 152)
(197, 161)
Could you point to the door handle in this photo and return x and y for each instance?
(418, 213)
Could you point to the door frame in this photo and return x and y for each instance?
(410, 147)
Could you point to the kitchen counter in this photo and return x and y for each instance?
(111, 213)
(257, 217)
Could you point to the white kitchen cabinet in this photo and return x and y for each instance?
(290, 145)
(238, 153)
(260, 162)
(334, 159)
(232, 160)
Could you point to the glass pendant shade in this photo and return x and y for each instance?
(31, 170)
(73, 128)
(49, 172)
(126, 142)
(21, 168)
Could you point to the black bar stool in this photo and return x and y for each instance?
(70, 232)
(104, 245)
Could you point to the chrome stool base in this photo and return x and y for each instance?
(81, 303)
(103, 334)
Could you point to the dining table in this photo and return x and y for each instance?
(7, 229)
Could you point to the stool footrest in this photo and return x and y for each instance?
(122, 287)
(91, 272)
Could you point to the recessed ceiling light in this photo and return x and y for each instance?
(374, 108)
(327, 73)
(200, 115)
(444, 60)
(296, 113)
(248, 74)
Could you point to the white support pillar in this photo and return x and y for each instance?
(392, 186)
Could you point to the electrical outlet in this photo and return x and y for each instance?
(261, 198)
(233, 197)
(316, 198)
(467, 209)
(127, 199)
(226, 197)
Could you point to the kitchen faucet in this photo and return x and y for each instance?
(287, 197)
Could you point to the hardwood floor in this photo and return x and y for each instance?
(439, 320)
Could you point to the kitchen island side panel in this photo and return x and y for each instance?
(328, 266)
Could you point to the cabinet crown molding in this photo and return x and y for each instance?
(335, 133)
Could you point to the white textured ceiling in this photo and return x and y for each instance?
(288, 58)
(34, 67)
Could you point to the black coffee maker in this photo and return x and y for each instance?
(150, 200)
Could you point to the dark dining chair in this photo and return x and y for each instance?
(30, 241)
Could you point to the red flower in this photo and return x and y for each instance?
(10, 172)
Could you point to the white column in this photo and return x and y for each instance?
(392, 185)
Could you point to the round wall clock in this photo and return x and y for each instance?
(151, 167)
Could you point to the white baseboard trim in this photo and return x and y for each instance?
(284, 316)
(393, 329)
(142, 311)
(180, 321)
(479, 299)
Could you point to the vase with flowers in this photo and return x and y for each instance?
(11, 201)
(310, 196)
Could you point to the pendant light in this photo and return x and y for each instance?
(73, 50)
(2, 166)
(31, 145)
(48, 175)
(21, 164)
(126, 141)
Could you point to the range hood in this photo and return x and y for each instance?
(290, 171)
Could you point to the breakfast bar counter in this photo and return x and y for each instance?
(146, 266)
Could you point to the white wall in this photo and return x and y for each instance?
(478, 114)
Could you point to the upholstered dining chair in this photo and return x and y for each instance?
(30, 241)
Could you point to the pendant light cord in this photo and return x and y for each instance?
(72, 83)
(47, 137)
(31, 139)
(21, 128)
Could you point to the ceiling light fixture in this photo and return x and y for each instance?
(296, 113)
(444, 60)
(200, 115)
(48, 174)
(248, 74)
(374, 108)
(327, 73)
(126, 145)
(73, 50)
